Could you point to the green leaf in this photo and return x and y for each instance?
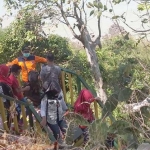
(77, 119)
(105, 7)
(92, 12)
(88, 5)
(118, 127)
(110, 10)
(100, 5)
(141, 7)
(91, 4)
(124, 94)
(144, 20)
(115, 17)
(100, 127)
(95, 4)
(116, 1)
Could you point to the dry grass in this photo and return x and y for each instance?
(24, 142)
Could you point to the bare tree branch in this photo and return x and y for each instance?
(62, 21)
(79, 11)
(66, 21)
(83, 4)
(135, 107)
(135, 29)
(97, 40)
(76, 14)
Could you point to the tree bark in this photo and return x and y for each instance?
(135, 107)
(92, 59)
(89, 45)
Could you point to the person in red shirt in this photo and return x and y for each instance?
(17, 90)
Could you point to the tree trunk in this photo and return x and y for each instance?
(92, 59)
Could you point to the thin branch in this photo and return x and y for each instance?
(75, 13)
(66, 21)
(62, 21)
(70, 16)
(135, 29)
(114, 15)
(147, 10)
(79, 11)
(83, 4)
(97, 40)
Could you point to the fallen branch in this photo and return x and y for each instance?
(135, 107)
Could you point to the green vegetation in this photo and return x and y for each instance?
(123, 64)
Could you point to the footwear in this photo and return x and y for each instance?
(55, 146)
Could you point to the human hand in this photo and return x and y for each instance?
(97, 98)
(27, 88)
(67, 112)
(43, 122)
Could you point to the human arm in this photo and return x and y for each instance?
(15, 61)
(42, 74)
(43, 112)
(63, 103)
(94, 99)
(43, 107)
(59, 77)
(26, 88)
(40, 59)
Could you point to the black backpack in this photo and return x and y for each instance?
(6, 90)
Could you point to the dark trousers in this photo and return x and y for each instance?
(85, 134)
(18, 109)
(61, 126)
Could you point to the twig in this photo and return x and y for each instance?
(135, 29)
(66, 20)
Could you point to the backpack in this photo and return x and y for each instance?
(54, 111)
(6, 90)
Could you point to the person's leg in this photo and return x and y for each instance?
(18, 109)
(25, 100)
(7, 106)
(21, 120)
(86, 135)
(55, 129)
(56, 132)
(63, 127)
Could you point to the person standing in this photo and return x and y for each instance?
(27, 62)
(49, 73)
(52, 113)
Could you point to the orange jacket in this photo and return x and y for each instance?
(27, 64)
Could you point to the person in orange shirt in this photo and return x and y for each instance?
(27, 62)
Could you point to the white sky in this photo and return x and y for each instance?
(62, 30)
